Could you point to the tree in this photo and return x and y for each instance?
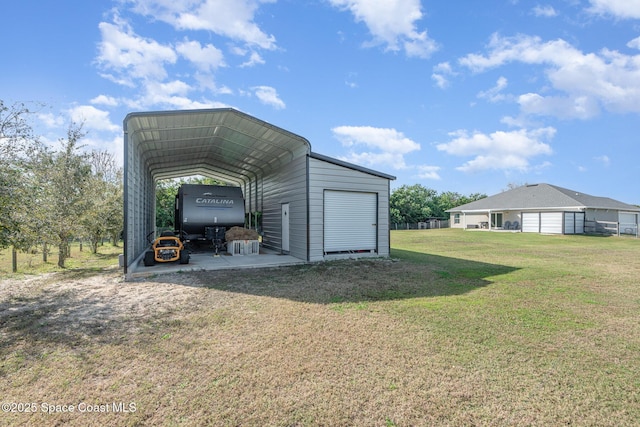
(114, 214)
(166, 191)
(410, 204)
(19, 154)
(103, 207)
(415, 203)
(448, 200)
(66, 181)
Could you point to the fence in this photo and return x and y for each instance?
(611, 228)
(427, 225)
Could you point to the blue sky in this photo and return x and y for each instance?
(466, 96)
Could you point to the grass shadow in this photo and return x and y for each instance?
(406, 275)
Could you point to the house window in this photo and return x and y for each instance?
(496, 220)
(456, 218)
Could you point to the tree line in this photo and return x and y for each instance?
(415, 203)
(50, 197)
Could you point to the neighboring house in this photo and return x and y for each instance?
(545, 208)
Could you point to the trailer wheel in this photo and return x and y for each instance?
(184, 257)
(149, 259)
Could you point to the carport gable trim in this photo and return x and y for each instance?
(350, 166)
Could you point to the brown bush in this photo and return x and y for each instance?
(239, 233)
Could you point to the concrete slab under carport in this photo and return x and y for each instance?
(206, 261)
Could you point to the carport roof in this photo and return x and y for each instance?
(222, 143)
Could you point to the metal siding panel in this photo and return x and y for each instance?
(286, 186)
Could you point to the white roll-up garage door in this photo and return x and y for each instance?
(542, 222)
(530, 222)
(551, 222)
(350, 221)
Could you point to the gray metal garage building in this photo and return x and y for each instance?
(313, 207)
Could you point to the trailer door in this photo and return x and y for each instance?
(350, 221)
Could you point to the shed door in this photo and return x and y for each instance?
(530, 222)
(350, 221)
(551, 222)
(285, 227)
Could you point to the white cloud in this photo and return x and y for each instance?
(441, 81)
(130, 56)
(440, 74)
(495, 93)
(604, 159)
(268, 96)
(254, 59)
(171, 94)
(92, 118)
(382, 146)
(206, 58)
(634, 44)
(428, 172)
(351, 80)
(499, 150)
(232, 19)
(584, 82)
(106, 100)
(393, 160)
(50, 120)
(624, 9)
(393, 24)
(580, 107)
(546, 11)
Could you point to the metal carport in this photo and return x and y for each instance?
(220, 143)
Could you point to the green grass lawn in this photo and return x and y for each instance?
(30, 263)
(458, 328)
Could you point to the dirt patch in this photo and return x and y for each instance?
(57, 306)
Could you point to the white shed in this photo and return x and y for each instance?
(313, 207)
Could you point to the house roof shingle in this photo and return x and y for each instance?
(543, 196)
